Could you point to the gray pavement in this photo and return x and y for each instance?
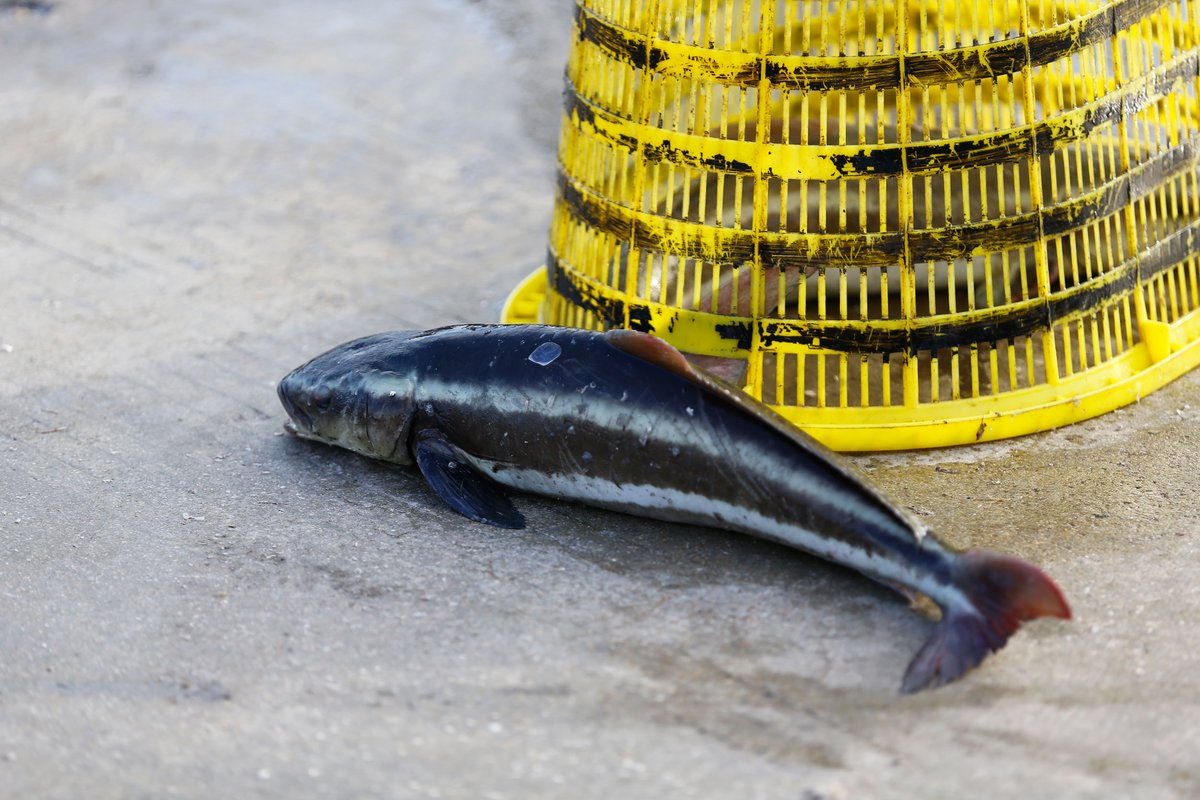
(196, 197)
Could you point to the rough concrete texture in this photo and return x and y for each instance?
(196, 197)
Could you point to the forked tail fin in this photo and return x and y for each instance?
(1003, 592)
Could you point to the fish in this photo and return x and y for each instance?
(620, 420)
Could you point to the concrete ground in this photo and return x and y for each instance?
(196, 197)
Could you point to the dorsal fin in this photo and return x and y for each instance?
(656, 351)
(650, 348)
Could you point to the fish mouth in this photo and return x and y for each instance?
(301, 432)
(300, 422)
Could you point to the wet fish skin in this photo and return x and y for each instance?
(621, 421)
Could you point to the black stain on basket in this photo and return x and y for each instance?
(739, 332)
(640, 319)
(787, 74)
(876, 161)
(979, 62)
(620, 44)
(574, 106)
(665, 151)
(609, 311)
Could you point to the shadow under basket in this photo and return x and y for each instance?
(910, 224)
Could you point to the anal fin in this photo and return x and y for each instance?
(463, 487)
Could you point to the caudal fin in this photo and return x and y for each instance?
(1003, 592)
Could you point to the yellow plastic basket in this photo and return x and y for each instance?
(920, 223)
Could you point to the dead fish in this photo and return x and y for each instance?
(621, 421)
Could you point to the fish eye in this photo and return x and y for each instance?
(321, 399)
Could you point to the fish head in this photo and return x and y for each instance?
(359, 395)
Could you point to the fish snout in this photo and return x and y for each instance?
(300, 422)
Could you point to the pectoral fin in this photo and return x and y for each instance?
(464, 488)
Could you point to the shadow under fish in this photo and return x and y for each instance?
(620, 420)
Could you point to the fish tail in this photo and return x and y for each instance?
(1002, 592)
